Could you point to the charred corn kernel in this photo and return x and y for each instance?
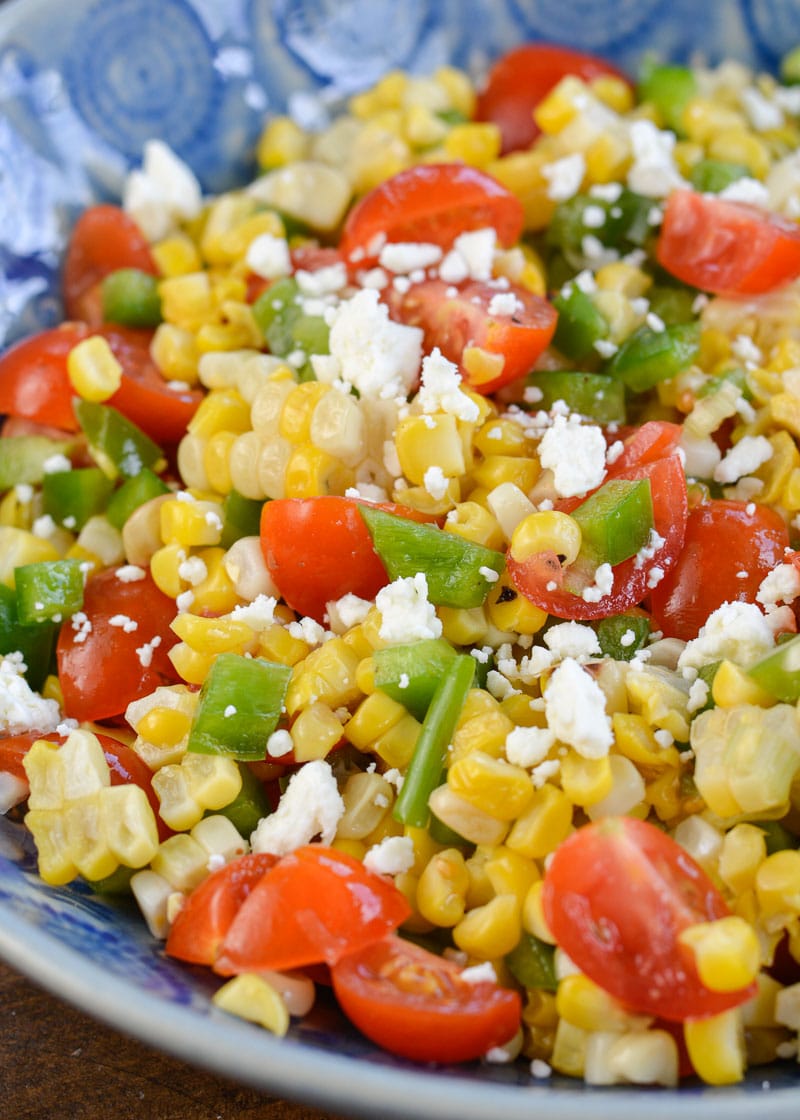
(726, 952)
(493, 785)
(187, 301)
(396, 746)
(281, 142)
(294, 422)
(490, 931)
(249, 996)
(367, 799)
(510, 873)
(716, 1047)
(463, 627)
(778, 888)
(221, 410)
(182, 861)
(428, 441)
(533, 919)
(197, 783)
(475, 142)
(585, 781)
(785, 458)
(192, 666)
(469, 821)
(732, 686)
(190, 523)
(328, 674)
(586, 1005)
(510, 611)
(213, 635)
(315, 732)
(744, 849)
(544, 824)
(735, 145)
(93, 369)
(547, 531)
(372, 718)
(442, 888)
(311, 472)
(497, 470)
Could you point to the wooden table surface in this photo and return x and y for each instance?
(57, 1062)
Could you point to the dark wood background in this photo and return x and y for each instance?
(57, 1062)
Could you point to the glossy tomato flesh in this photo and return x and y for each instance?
(616, 895)
(34, 384)
(103, 240)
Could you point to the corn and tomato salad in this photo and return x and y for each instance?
(399, 568)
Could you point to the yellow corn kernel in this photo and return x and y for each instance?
(277, 644)
(311, 472)
(337, 425)
(466, 819)
(716, 1047)
(51, 690)
(365, 675)
(463, 627)
(547, 531)
(182, 861)
(511, 612)
(614, 92)
(235, 242)
(191, 462)
(315, 732)
(442, 888)
(491, 784)
(620, 276)
(298, 405)
(736, 145)
(480, 889)
(608, 158)
(790, 497)
(726, 952)
(221, 410)
(396, 745)
(634, 738)
(508, 872)
(586, 1005)
(213, 635)
(482, 365)
(732, 686)
(190, 523)
(281, 142)
(544, 824)
(329, 674)
(190, 665)
(93, 369)
(216, 454)
(357, 640)
(704, 118)
(216, 594)
(484, 731)
(661, 699)
(249, 996)
(18, 547)
(778, 888)
(474, 142)
(555, 111)
(187, 301)
(176, 255)
(243, 465)
(521, 173)
(372, 718)
(429, 441)
(164, 727)
(496, 470)
(214, 337)
(198, 782)
(744, 849)
(492, 930)
(533, 919)
(174, 352)
(164, 565)
(785, 458)
(422, 127)
(585, 781)
(367, 800)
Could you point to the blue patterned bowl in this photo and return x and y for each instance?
(82, 86)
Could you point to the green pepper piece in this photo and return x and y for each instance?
(626, 224)
(621, 636)
(647, 357)
(532, 963)
(134, 492)
(411, 673)
(778, 672)
(616, 520)
(117, 883)
(790, 67)
(117, 445)
(72, 497)
(49, 591)
(22, 458)
(580, 324)
(427, 762)
(669, 88)
(714, 175)
(249, 805)
(595, 395)
(35, 643)
(239, 707)
(706, 673)
(131, 297)
(287, 328)
(456, 569)
(241, 517)
(672, 304)
(778, 838)
(737, 376)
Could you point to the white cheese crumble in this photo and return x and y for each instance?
(259, 614)
(124, 623)
(54, 464)
(735, 631)
(145, 652)
(529, 746)
(406, 614)
(22, 709)
(321, 282)
(311, 807)
(653, 171)
(268, 256)
(603, 584)
(572, 639)
(347, 612)
(372, 353)
(746, 190)
(480, 973)
(440, 390)
(392, 856)
(435, 482)
(698, 695)
(406, 256)
(575, 453)
(575, 707)
(164, 192)
(471, 257)
(781, 585)
(744, 457)
(504, 304)
(279, 743)
(308, 630)
(130, 573)
(193, 570)
(564, 176)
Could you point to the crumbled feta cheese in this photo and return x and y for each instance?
(230, 710)
(472, 256)
(736, 631)
(564, 176)
(504, 304)
(603, 584)
(576, 454)
(279, 743)
(321, 281)
(347, 612)
(311, 807)
(146, 651)
(406, 256)
(22, 709)
(259, 614)
(164, 192)
(54, 464)
(268, 256)
(308, 630)
(540, 1069)
(653, 171)
(489, 574)
(379, 357)
(544, 771)
(572, 639)
(193, 570)
(698, 695)
(627, 639)
(744, 458)
(184, 601)
(655, 576)
(701, 454)
(406, 614)
(605, 347)
(435, 482)
(82, 625)
(440, 390)
(392, 856)
(528, 746)
(499, 685)
(762, 112)
(655, 322)
(23, 492)
(130, 573)
(781, 585)
(44, 526)
(480, 974)
(575, 707)
(746, 190)
(594, 217)
(745, 350)
(126, 624)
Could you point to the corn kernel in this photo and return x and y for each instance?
(544, 824)
(426, 441)
(492, 930)
(442, 888)
(474, 142)
(374, 716)
(491, 784)
(93, 369)
(716, 1047)
(586, 1005)
(778, 888)
(533, 919)
(466, 819)
(315, 732)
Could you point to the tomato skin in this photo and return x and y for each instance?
(312, 907)
(432, 202)
(33, 377)
(318, 549)
(725, 247)
(522, 78)
(102, 674)
(456, 316)
(616, 895)
(201, 924)
(103, 240)
(446, 1019)
(723, 538)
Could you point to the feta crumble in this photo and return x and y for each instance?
(575, 707)
(576, 454)
(406, 614)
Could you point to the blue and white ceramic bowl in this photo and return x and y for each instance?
(82, 86)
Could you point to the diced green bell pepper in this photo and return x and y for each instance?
(647, 357)
(36, 643)
(790, 67)
(131, 297)
(616, 520)
(117, 883)
(672, 304)
(532, 963)
(287, 327)
(626, 225)
(594, 395)
(134, 492)
(778, 838)
(669, 88)
(72, 497)
(456, 569)
(714, 175)
(241, 517)
(240, 703)
(49, 591)
(621, 636)
(778, 672)
(22, 458)
(249, 806)
(580, 324)
(118, 446)
(411, 673)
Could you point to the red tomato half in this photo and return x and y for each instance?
(101, 674)
(33, 377)
(522, 78)
(312, 907)
(456, 318)
(201, 924)
(417, 1005)
(729, 248)
(616, 895)
(729, 548)
(318, 549)
(103, 240)
(432, 202)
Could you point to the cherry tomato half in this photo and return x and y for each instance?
(455, 318)
(432, 202)
(417, 1005)
(522, 78)
(312, 907)
(616, 895)
(729, 548)
(114, 662)
(729, 248)
(103, 240)
(33, 377)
